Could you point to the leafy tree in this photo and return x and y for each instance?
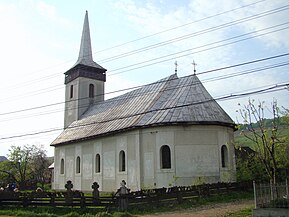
(6, 175)
(39, 166)
(271, 145)
(27, 164)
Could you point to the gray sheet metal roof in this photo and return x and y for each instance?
(85, 53)
(169, 101)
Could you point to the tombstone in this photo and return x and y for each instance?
(69, 193)
(121, 195)
(95, 192)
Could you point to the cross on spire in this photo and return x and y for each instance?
(194, 65)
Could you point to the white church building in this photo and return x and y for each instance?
(167, 133)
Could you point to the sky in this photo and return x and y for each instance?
(138, 42)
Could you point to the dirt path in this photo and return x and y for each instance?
(212, 210)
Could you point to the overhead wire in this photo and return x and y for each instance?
(276, 87)
(142, 66)
(179, 54)
(180, 26)
(194, 34)
(216, 78)
(198, 73)
(51, 76)
(139, 86)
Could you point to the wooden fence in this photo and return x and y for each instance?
(137, 198)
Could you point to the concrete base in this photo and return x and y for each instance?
(270, 212)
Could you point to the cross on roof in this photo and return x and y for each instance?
(176, 66)
(194, 65)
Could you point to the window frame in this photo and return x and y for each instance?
(91, 91)
(71, 91)
(122, 161)
(97, 163)
(77, 166)
(165, 157)
(62, 168)
(224, 156)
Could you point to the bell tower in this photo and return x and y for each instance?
(84, 82)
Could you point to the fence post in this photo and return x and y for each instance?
(179, 195)
(287, 191)
(255, 194)
(82, 200)
(52, 199)
(25, 200)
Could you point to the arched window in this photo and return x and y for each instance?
(62, 166)
(224, 156)
(165, 157)
(71, 91)
(91, 91)
(97, 163)
(78, 164)
(121, 161)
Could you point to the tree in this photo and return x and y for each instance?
(39, 166)
(27, 164)
(6, 175)
(269, 142)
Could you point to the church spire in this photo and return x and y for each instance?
(85, 52)
(84, 82)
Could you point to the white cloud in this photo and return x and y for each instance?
(46, 10)
(151, 18)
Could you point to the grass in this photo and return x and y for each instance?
(146, 209)
(242, 213)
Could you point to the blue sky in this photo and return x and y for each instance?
(40, 40)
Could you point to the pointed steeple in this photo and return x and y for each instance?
(85, 51)
(84, 82)
(85, 66)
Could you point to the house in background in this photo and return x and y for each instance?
(3, 158)
(168, 133)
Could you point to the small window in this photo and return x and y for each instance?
(78, 164)
(121, 161)
(165, 157)
(62, 166)
(224, 156)
(91, 91)
(71, 91)
(97, 163)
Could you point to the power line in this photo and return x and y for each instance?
(208, 30)
(124, 69)
(212, 16)
(41, 91)
(183, 25)
(276, 87)
(135, 87)
(217, 78)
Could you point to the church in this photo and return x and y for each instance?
(167, 133)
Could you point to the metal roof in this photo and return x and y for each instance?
(169, 101)
(85, 53)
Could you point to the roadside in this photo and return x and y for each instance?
(211, 210)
